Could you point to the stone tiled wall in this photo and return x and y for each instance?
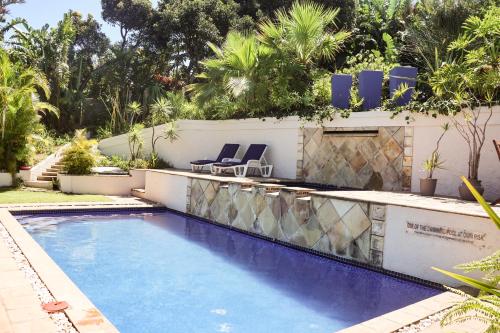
(344, 228)
(358, 161)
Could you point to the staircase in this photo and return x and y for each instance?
(47, 178)
(139, 193)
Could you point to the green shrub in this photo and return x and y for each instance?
(79, 158)
(139, 163)
(78, 161)
(156, 162)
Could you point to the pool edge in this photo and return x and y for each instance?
(82, 313)
(386, 323)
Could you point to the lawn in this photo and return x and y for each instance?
(17, 196)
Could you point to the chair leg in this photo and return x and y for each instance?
(266, 171)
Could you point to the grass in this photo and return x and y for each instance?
(17, 196)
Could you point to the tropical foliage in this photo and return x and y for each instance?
(469, 81)
(219, 59)
(20, 108)
(271, 72)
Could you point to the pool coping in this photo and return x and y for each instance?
(403, 199)
(86, 317)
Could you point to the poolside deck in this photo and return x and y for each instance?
(403, 199)
(20, 309)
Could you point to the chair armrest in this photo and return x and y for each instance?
(254, 163)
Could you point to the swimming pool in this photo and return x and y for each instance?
(164, 272)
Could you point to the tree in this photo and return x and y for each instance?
(89, 44)
(4, 11)
(187, 26)
(129, 15)
(47, 49)
(20, 106)
(432, 26)
(237, 72)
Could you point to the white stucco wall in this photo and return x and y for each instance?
(199, 139)
(204, 139)
(454, 152)
(414, 254)
(96, 184)
(167, 189)
(5, 179)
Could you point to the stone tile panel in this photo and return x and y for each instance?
(350, 161)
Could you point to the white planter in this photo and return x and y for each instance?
(96, 184)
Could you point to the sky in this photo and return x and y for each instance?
(40, 12)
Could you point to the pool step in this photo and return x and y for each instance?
(39, 184)
(139, 193)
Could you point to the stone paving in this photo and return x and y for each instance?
(20, 309)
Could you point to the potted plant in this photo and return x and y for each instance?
(468, 84)
(428, 184)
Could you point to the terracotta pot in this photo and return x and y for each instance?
(25, 167)
(428, 186)
(464, 192)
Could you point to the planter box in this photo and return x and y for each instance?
(403, 75)
(370, 88)
(341, 90)
(103, 184)
(96, 184)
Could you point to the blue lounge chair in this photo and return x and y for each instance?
(254, 158)
(228, 152)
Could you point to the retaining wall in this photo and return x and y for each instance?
(390, 161)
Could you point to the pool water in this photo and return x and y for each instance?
(163, 272)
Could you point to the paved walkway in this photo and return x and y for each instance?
(20, 308)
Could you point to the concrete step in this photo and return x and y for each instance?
(138, 192)
(57, 167)
(39, 184)
(49, 173)
(53, 170)
(46, 178)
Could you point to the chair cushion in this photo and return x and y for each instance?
(202, 162)
(227, 164)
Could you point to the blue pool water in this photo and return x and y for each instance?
(163, 272)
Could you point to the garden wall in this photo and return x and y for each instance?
(5, 179)
(391, 161)
(102, 184)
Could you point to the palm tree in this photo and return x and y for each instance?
(305, 33)
(20, 106)
(272, 71)
(236, 70)
(47, 50)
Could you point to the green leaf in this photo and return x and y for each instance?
(491, 213)
(471, 282)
